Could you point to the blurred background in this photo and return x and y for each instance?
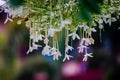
(15, 64)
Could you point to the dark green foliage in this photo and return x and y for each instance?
(16, 3)
(84, 15)
(88, 7)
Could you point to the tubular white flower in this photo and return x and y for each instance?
(56, 53)
(64, 22)
(46, 50)
(86, 56)
(51, 31)
(33, 47)
(67, 57)
(38, 37)
(8, 19)
(30, 50)
(68, 48)
(74, 35)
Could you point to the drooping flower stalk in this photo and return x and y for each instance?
(52, 18)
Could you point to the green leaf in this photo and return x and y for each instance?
(91, 5)
(84, 15)
(16, 3)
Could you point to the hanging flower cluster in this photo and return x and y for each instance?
(48, 18)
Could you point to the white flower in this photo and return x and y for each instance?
(109, 19)
(30, 50)
(6, 8)
(46, 50)
(28, 23)
(82, 41)
(46, 41)
(19, 11)
(101, 26)
(105, 18)
(101, 23)
(64, 22)
(86, 56)
(81, 48)
(19, 22)
(81, 26)
(35, 35)
(51, 31)
(67, 57)
(74, 35)
(32, 33)
(83, 45)
(68, 48)
(8, 19)
(56, 53)
(2, 2)
(38, 37)
(85, 27)
(33, 47)
(90, 30)
(93, 29)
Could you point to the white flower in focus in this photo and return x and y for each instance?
(46, 50)
(67, 57)
(56, 53)
(74, 35)
(86, 56)
(68, 48)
